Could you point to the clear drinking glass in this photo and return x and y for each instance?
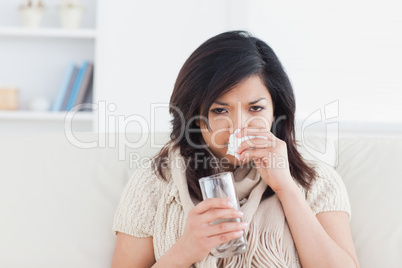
(221, 185)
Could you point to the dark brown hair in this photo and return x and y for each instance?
(214, 68)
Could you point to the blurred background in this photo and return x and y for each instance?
(121, 58)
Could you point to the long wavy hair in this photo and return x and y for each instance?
(213, 69)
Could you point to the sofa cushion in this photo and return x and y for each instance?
(371, 170)
(58, 199)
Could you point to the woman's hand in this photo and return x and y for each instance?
(199, 237)
(269, 155)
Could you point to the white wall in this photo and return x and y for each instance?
(350, 51)
(142, 47)
(344, 53)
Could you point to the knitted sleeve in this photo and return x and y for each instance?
(328, 191)
(137, 207)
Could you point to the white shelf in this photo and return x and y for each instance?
(47, 32)
(44, 116)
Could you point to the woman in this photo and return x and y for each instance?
(294, 212)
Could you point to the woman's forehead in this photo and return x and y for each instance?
(249, 90)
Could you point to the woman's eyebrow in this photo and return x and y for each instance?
(254, 102)
(226, 104)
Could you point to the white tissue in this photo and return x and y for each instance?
(234, 142)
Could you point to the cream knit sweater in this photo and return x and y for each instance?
(151, 207)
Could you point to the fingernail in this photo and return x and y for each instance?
(240, 213)
(244, 224)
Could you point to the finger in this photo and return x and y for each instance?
(222, 238)
(255, 143)
(255, 154)
(225, 227)
(251, 149)
(214, 214)
(261, 132)
(211, 203)
(243, 132)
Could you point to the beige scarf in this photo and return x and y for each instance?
(270, 243)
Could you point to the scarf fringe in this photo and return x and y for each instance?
(265, 250)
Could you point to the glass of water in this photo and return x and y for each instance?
(221, 185)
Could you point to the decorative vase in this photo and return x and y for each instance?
(71, 17)
(31, 17)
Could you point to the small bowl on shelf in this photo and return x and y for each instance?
(39, 103)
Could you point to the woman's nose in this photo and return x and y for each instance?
(247, 120)
(241, 120)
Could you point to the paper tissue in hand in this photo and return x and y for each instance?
(234, 142)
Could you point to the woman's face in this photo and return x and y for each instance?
(249, 104)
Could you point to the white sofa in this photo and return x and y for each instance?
(58, 199)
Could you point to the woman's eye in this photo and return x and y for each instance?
(218, 110)
(252, 108)
(257, 108)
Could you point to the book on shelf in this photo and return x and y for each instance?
(88, 99)
(70, 88)
(64, 86)
(86, 86)
(76, 88)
